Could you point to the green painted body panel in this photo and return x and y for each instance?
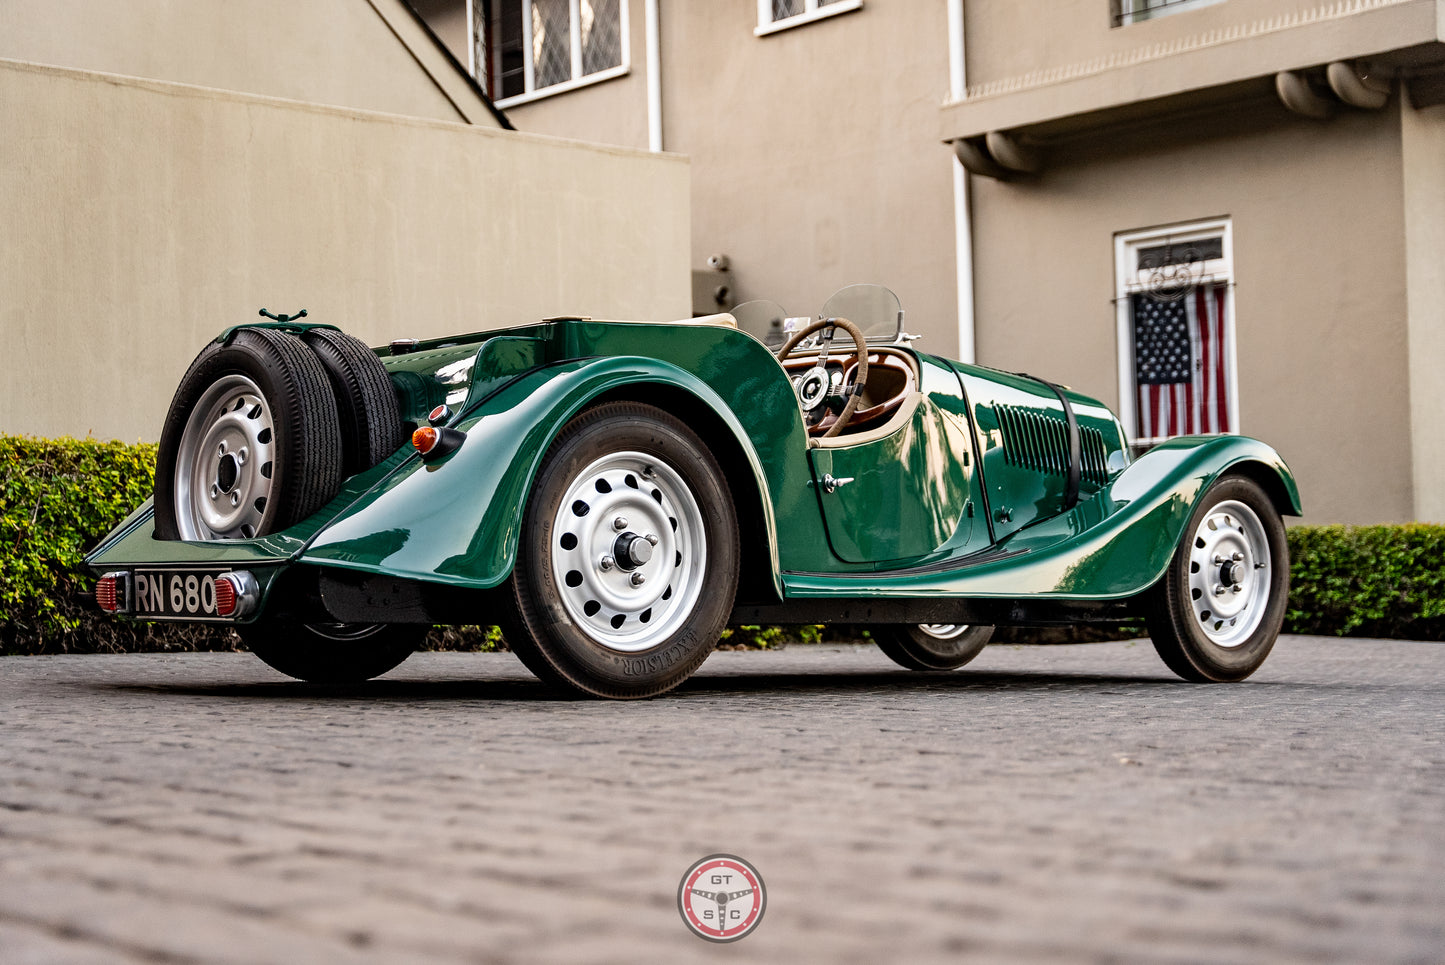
(457, 520)
(915, 522)
(913, 492)
(1019, 492)
(1111, 546)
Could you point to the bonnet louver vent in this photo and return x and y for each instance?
(1032, 440)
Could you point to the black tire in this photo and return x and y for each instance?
(931, 646)
(650, 635)
(326, 653)
(267, 398)
(370, 417)
(1205, 635)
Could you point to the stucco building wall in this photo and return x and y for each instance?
(1423, 149)
(143, 217)
(1317, 212)
(815, 155)
(339, 52)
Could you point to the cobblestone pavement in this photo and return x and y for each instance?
(1070, 803)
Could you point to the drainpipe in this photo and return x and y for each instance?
(962, 216)
(654, 79)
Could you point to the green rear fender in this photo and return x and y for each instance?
(457, 520)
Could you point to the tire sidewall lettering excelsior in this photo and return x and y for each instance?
(569, 655)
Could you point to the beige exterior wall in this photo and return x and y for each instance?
(1319, 255)
(1423, 136)
(606, 112)
(337, 52)
(815, 160)
(1045, 66)
(448, 19)
(815, 157)
(144, 217)
(1045, 35)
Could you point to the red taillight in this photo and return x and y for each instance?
(425, 439)
(225, 596)
(440, 414)
(106, 595)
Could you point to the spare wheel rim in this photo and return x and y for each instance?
(225, 465)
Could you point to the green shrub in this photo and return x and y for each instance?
(59, 497)
(1368, 581)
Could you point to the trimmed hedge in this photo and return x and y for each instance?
(59, 497)
(1368, 581)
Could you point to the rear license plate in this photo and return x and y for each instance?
(177, 594)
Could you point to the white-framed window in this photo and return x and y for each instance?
(526, 49)
(1133, 11)
(1174, 299)
(775, 15)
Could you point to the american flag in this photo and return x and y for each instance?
(1179, 364)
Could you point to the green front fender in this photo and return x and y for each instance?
(1110, 547)
(457, 521)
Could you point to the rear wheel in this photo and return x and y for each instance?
(259, 436)
(331, 653)
(931, 646)
(1217, 611)
(628, 562)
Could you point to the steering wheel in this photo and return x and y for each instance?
(812, 389)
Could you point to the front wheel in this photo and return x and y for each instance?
(1215, 614)
(931, 646)
(628, 562)
(331, 653)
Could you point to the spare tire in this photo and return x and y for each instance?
(371, 426)
(252, 442)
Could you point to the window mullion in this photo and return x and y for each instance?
(529, 69)
(575, 12)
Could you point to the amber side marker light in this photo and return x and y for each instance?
(433, 442)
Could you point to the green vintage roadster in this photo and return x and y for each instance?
(614, 494)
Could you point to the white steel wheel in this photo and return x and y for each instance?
(943, 631)
(627, 564)
(251, 443)
(629, 551)
(1216, 612)
(931, 646)
(1229, 573)
(225, 463)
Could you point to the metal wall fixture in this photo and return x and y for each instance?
(999, 155)
(1354, 83)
